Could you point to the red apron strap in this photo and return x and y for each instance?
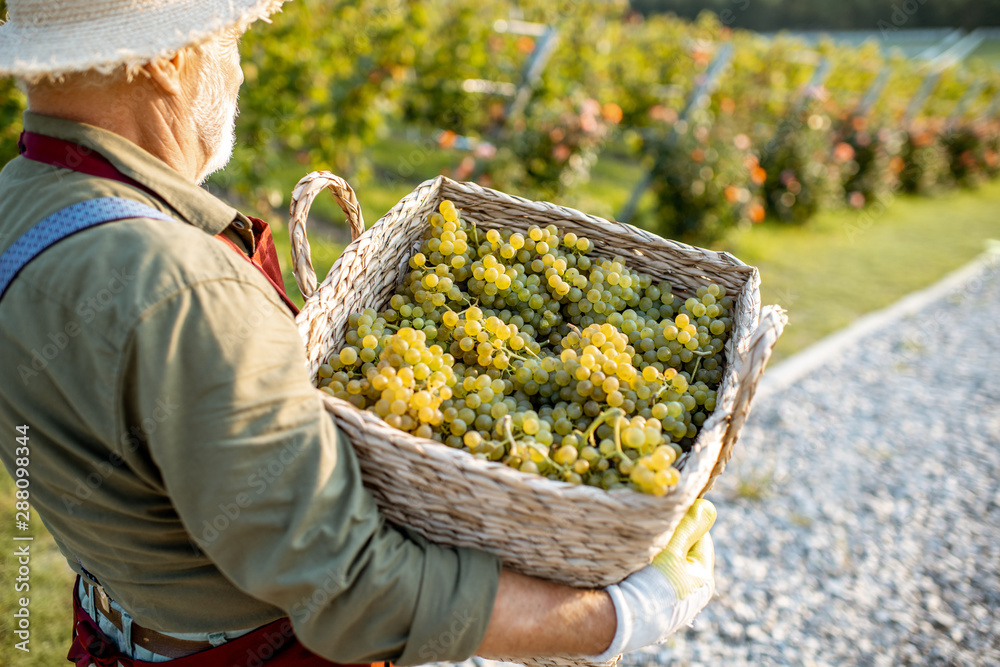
(265, 254)
(68, 155)
(273, 276)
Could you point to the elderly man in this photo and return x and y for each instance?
(185, 467)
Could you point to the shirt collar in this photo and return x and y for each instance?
(192, 203)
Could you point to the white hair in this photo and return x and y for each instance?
(214, 109)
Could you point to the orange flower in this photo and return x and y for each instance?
(732, 194)
(561, 152)
(612, 112)
(465, 168)
(663, 114)
(698, 155)
(896, 164)
(447, 139)
(843, 152)
(758, 175)
(727, 105)
(756, 212)
(525, 44)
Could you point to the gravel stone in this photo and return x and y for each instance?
(859, 520)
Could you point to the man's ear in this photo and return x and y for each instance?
(166, 73)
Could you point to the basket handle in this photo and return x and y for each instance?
(752, 363)
(303, 195)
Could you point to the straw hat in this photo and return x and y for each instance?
(50, 38)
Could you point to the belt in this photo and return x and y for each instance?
(151, 640)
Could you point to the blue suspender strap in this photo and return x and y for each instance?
(67, 222)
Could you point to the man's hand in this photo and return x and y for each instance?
(666, 595)
(534, 618)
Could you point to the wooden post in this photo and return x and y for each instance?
(540, 57)
(968, 97)
(705, 87)
(926, 88)
(873, 93)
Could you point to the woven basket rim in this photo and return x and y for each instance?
(714, 428)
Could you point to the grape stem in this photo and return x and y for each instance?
(618, 435)
(506, 426)
(598, 420)
(697, 362)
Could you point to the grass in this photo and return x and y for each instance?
(826, 274)
(843, 265)
(50, 584)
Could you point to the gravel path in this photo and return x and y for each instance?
(859, 521)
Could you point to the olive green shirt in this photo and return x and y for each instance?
(179, 453)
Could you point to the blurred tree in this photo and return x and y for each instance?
(769, 15)
(11, 106)
(319, 86)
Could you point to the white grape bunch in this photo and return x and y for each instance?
(527, 350)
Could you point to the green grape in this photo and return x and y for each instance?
(550, 338)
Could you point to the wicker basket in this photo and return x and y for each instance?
(576, 535)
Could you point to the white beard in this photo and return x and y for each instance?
(220, 137)
(215, 111)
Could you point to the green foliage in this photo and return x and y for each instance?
(887, 15)
(800, 176)
(12, 105)
(972, 152)
(925, 165)
(862, 153)
(326, 80)
(703, 183)
(461, 45)
(552, 149)
(319, 83)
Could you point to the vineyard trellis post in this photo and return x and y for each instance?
(816, 81)
(539, 60)
(950, 51)
(920, 98)
(705, 87)
(519, 94)
(968, 97)
(937, 49)
(993, 110)
(873, 93)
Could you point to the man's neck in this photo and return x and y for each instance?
(129, 111)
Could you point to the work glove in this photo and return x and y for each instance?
(667, 594)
